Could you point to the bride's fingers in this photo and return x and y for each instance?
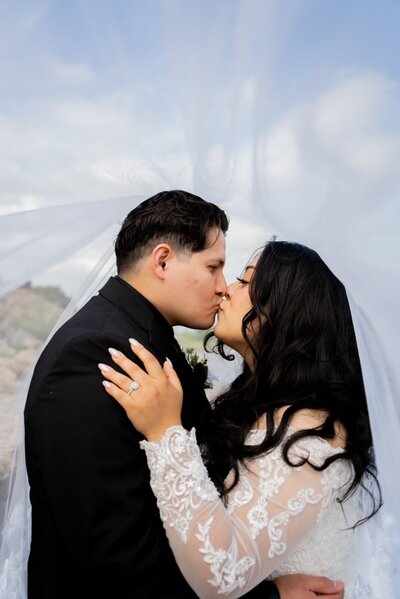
(151, 363)
(120, 380)
(132, 370)
(171, 375)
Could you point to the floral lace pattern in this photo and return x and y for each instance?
(228, 573)
(179, 479)
(279, 519)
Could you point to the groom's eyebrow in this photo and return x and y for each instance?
(218, 261)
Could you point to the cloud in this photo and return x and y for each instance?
(76, 148)
(72, 75)
(353, 118)
(337, 151)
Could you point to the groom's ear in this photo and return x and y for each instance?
(160, 259)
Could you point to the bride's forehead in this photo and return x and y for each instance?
(253, 262)
(250, 266)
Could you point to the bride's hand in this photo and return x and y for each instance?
(154, 401)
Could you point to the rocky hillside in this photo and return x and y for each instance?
(27, 316)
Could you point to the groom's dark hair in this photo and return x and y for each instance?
(176, 217)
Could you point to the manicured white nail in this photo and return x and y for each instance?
(115, 353)
(169, 362)
(104, 368)
(133, 342)
(107, 384)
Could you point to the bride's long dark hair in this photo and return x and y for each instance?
(305, 356)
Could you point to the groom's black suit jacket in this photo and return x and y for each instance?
(96, 530)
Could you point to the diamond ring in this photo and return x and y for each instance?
(133, 387)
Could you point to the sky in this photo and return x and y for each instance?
(251, 104)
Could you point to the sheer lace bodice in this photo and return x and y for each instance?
(278, 519)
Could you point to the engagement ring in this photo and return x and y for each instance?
(133, 387)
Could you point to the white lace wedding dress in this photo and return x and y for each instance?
(278, 519)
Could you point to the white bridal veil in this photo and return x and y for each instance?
(280, 113)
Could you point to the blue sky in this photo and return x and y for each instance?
(122, 40)
(237, 100)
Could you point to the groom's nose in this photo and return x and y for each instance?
(221, 285)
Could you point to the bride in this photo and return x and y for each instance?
(288, 446)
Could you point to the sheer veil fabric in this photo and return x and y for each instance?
(320, 171)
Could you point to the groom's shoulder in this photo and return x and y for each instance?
(94, 326)
(109, 311)
(99, 314)
(85, 322)
(106, 320)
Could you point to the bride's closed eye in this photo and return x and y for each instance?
(242, 281)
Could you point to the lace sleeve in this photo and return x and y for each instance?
(227, 550)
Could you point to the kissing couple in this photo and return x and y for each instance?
(140, 488)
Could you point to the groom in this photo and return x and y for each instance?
(96, 531)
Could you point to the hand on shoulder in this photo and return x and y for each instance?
(151, 397)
